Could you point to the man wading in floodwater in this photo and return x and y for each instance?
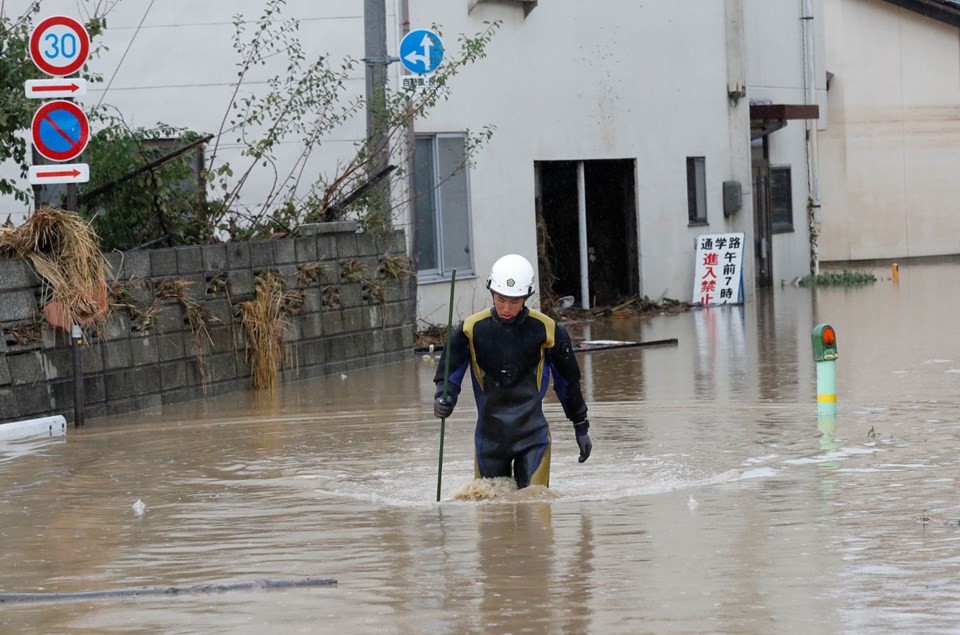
(512, 351)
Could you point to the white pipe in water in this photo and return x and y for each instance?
(55, 426)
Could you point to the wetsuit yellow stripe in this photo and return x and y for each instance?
(550, 327)
(541, 476)
(468, 325)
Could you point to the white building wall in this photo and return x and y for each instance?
(583, 81)
(891, 159)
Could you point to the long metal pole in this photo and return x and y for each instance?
(813, 162)
(582, 220)
(446, 377)
(76, 336)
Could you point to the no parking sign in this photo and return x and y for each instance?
(60, 130)
(59, 46)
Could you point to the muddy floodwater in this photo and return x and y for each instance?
(715, 501)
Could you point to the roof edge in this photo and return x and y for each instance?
(783, 112)
(940, 10)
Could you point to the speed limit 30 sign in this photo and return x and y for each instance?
(59, 45)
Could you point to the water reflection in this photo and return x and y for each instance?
(720, 351)
(802, 524)
(516, 553)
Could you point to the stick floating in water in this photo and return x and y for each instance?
(167, 590)
(604, 345)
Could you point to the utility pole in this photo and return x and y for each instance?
(813, 159)
(378, 149)
(413, 230)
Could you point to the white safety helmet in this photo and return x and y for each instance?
(512, 277)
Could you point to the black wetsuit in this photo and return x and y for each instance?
(511, 363)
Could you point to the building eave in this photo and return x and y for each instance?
(784, 112)
(940, 10)
(767, 118)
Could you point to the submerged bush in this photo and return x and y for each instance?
(843, 278)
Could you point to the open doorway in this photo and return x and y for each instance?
(613, 268)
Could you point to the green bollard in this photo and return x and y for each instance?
(825, 355)
(827, 425)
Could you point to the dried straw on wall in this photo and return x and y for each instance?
(197, 316)
(264, 319)
(64, 250)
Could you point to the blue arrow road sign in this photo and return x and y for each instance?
(421, 51)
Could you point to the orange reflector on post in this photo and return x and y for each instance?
(829, 336)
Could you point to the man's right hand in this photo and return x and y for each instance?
(441, 408)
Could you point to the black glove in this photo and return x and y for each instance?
(583, 439)
(441, 408)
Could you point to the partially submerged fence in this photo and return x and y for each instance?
(175, 324)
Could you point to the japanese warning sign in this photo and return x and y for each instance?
(718, 277)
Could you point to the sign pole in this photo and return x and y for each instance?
(76, 344)
(72, 197)
(59, 46)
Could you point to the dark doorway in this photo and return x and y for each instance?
(613, 262)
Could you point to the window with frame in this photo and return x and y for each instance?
(781, 198)
(442, 205)
(696, 190)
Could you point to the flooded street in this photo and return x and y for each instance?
(715, 501)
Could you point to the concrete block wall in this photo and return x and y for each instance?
(141, 358)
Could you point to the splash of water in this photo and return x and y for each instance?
(500, 489)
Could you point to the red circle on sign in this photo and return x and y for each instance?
(60, 130)
(82, 46)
